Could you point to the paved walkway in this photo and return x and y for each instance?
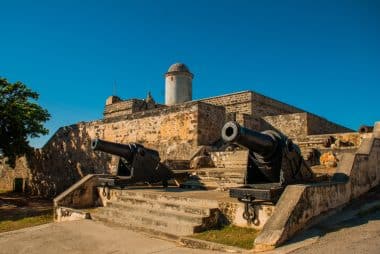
(84, 237)
(352, 236)
(354, 230)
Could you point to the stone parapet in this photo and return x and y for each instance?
(303, 124)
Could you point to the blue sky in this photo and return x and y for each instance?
(321, 56)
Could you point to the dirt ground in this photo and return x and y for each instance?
(18, 211)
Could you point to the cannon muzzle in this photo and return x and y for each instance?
(260, 143)
(365, 129)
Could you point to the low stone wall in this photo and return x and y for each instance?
(82, 194)
(299, 205)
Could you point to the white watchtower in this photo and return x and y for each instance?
(178, 84)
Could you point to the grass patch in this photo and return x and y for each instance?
(230, 235)
(9, 225)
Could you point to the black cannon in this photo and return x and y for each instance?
(136, 164)
(273, 157)
(274, 162)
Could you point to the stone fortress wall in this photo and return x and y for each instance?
(251, 110)
(176, 131)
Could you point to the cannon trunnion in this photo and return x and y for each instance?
(136, 164)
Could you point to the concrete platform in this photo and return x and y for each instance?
(82, 237)
(353, 230)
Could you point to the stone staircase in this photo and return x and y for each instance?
(165, 215)
(229, 171)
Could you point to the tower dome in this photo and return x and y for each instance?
(178, 67)
(178, 84)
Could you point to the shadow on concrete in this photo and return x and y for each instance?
(359, 212)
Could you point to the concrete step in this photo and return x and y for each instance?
(181, 212)
(166, 198)
(149, 222)
(139, 213)
(129, 202)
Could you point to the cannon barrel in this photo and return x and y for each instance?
(260, 143)
(121, 150)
